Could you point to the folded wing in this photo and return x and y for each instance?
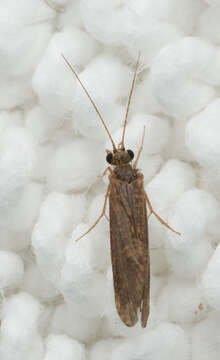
(129, 249)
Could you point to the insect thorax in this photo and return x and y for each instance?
(125, 173)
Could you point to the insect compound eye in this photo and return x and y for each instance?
(131, 154)
(109, 158)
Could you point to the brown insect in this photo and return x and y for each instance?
(128, 224)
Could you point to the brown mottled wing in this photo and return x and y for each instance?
(129, 249)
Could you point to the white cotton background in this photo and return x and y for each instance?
(56, 294)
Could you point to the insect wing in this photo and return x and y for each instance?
(129, 249)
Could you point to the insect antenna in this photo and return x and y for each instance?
(129, 101)
(91, 100)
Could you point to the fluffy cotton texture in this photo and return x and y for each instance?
(79, 283)
(19, 327)
(36, 284)
(57, 293)
(61, 346)
(50, 232)
(69, 172)
(173, 343)
(196, 215)
(209, 283)
(11, 270)
(107, 80)
(205, 342)
(184, 65)
(52, 80)
(202, 135)
(83, 329)
(182, 303)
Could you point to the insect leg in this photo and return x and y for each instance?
(157, 216)
(100, 216)
(140, 150)
(54, 7)
(105, 172)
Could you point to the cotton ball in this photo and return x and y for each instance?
(209, 180)
(104, 21)
(187, 259)
(49, 234)
(79, 204)
(63, 347)
(157, 283)
(79, 283)
(70, 16)
(210, 16)
(102, 349)
(37, 285)
(59, 2)
(182, 14)
(87, 123)
(22, 216)
(67, 319)
(173, 77)
(8, 119)
(15, 93)
(205, 338)
(157, 134)
(172, 340)
(178, 147)
(44, 154)
(129, 25)
(53, 81)
(75, 166)
(7, 240)
(37, 349)
(143, 99)
(149, 35)
(158, 261)
(174, 178)
(209, 282)
(58, 5)
(24, 35)
(16, 164)
(149, 166)
(20, 316)
(213, 2)
(11, 270)
(180, 302)
(41, 124)
(202, 135)
(112, 76)
(197, 213)
(18, 141)
(107, 81)
(14, 241)
(194, 57)
(76, 274)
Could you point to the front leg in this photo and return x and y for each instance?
(99, 217)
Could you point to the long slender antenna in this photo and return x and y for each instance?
(129, 101)
(91, 100)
